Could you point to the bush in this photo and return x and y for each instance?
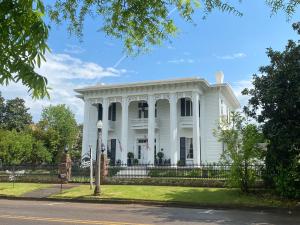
(287, 181)
(130, 155)
(181, 163)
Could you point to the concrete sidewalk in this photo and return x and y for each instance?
(47, 192)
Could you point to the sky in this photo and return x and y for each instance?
(232, 44)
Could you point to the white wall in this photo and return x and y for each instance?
(213, 148)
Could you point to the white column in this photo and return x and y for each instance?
(89, 127)
(202, 128)
(151, 129)
(85, 144)
(173, 128)
(196, 128)
(124, 128)
(105, 105)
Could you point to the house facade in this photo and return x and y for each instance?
(176, 117)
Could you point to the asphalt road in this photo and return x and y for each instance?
(15, 212)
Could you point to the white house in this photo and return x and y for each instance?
(176, 117)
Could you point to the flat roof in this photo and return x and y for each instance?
(226, 86)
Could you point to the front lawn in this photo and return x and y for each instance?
(7, 189)
(213, 196)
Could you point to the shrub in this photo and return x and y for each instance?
(181, 163)
(130, 155)
(160, 155)
(287, 181)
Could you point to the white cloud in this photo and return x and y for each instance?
(108, 43)
(181, 60)
(73, 49)
(238, 55)
(170, 47)
(64, 74)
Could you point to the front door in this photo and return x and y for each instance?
(142, 151)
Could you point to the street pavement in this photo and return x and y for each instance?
(17, 212)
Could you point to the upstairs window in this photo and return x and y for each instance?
(112, 109)
(143, 110)
(186, 107)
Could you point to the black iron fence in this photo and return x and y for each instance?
(81, 174)
(29, 173)
(209, 171)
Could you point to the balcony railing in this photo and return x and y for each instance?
(186, 122)
(111, 125)
(141, 123)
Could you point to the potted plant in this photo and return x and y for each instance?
(130, 157)
(160, 156)
(135, 162)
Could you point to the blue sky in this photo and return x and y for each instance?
(235, 45)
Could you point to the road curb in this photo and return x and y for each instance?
(289, 210)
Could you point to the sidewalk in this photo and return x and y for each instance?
(47, 192)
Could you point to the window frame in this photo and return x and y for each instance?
(186, 107)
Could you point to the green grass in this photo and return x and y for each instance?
(7, 189)
(213, 196)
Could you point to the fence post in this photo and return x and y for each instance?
(65, 167)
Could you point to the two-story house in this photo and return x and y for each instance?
(176, 117)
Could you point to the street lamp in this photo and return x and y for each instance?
(98, 158)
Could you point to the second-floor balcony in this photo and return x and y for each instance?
(141, 123)
(111, 125)
(186, 122)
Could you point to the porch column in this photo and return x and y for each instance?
(196, 128)
(173, 128)
(89, 127)
(85, 144)
(202, 129)
(105, 105)
(124, 129)
(151, 129)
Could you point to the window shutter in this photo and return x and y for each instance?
(109, 112)
(100, 111)
(182, 101)
(188, 107)
(114, 109)
(182, 149)
(113, 151)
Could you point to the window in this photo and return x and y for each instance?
(112, 112)
(222, 108)
(186, 107)
(189, 148)
(228, 115)
(143, 109)
(186, 148)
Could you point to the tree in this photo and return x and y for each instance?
(275, 103)
(60, 127)
(2, 108)
(14, 115)
(23, 32)
(20, 147)
(77, 149)
(23, 36)
(242, 152)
